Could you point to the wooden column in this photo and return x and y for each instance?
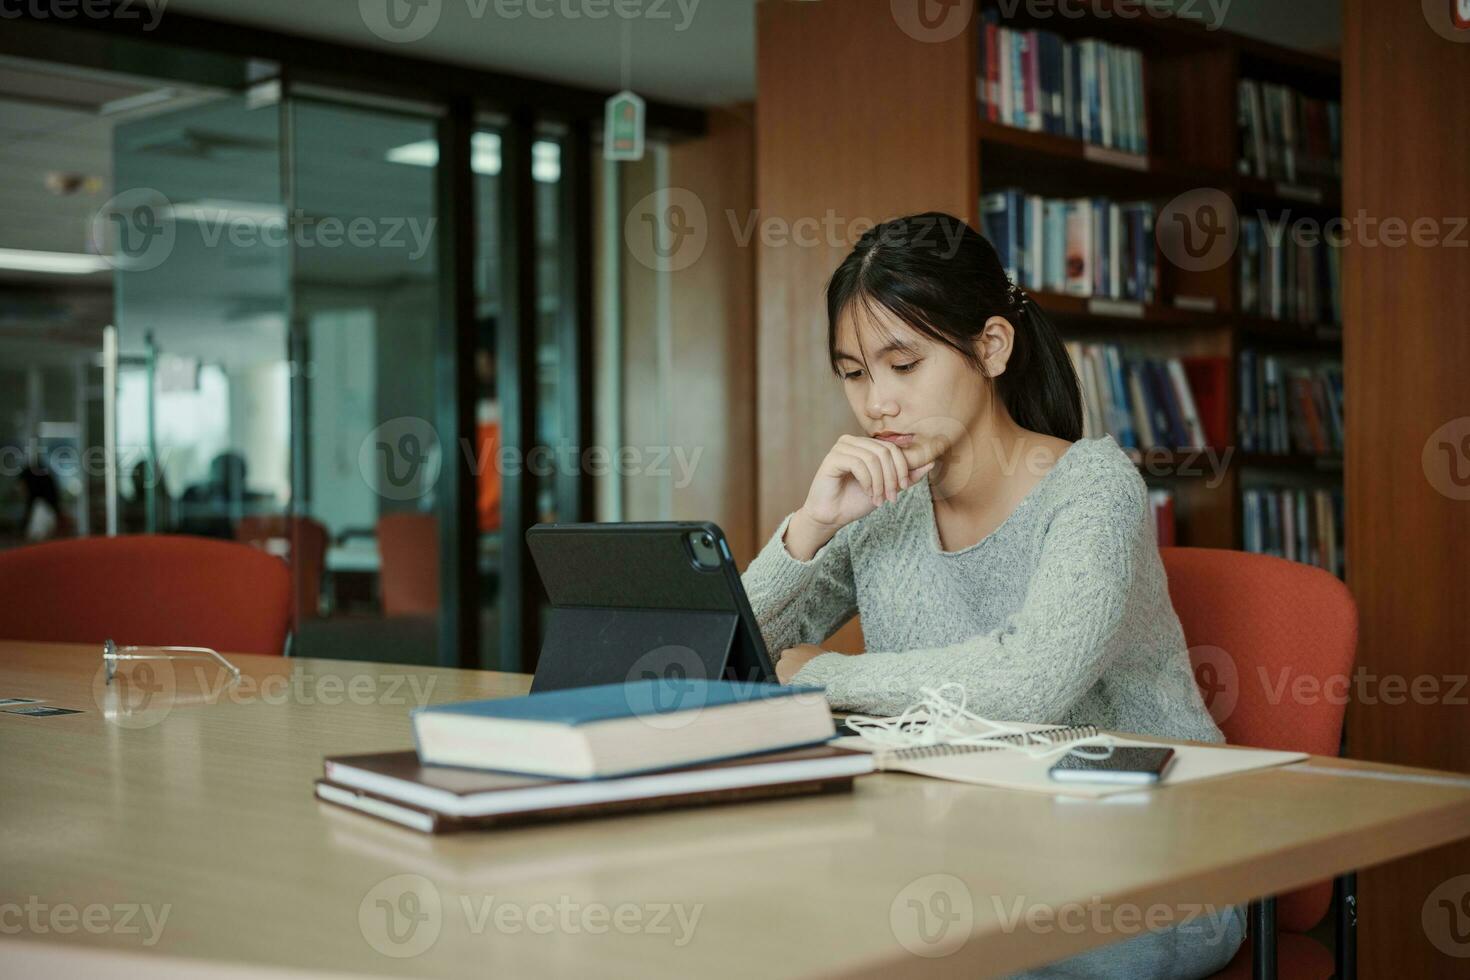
(1407, 364)
(857, 122)
(712, 314)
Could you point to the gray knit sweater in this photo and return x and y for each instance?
(1060, 616)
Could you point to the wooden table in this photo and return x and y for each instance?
(202, 809)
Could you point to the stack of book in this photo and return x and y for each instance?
(613, 748)
(1289, 271)
(1285, 135)
(1297, 524)
(1089, 90)
(1287, 406)
(1175, 403)
(1082, 246)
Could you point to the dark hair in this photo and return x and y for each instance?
(941, 277)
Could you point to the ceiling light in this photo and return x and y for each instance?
(484, 156)
(212, 211)
(61, 263)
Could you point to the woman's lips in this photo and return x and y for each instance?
(898, 439)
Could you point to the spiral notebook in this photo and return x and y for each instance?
(991, 765)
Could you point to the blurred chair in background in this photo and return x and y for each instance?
(299, 541)
(147, 590)
(408, 580)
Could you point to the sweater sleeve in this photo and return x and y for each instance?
(1048, 653)
(800, 601)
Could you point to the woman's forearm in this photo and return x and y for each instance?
(805, 537)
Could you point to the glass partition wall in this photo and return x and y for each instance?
(276, 352)
(327, 343)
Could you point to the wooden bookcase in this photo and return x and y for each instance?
(859, 117)
(1190, 79)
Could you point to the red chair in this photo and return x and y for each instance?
(1243, 613)
(408, 574)
(148, 590)
(302, 543)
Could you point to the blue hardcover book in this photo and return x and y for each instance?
(1051, 80)
(618, 729)
(1102, 235)
(1158, 415)
(1075, 94)
(1178, 430)
(999, 220)
(1018, 79)
(1055, 240)
(1123, 422)
(1016, 204)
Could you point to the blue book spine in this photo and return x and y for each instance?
(993, 223)
(1174, 411)
(1051, 68)
(1018, 79)
(1074, 100)
(1016, 204)
(1056, 246)
(1102, 269)
(1124, 420)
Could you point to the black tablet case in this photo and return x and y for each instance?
(630, 602)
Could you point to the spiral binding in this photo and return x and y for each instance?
(1055, 736)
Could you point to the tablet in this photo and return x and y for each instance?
(641, 600)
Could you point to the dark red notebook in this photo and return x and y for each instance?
(394, 786)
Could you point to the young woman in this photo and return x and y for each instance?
(982, 539)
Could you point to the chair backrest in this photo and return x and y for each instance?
(302, 542)
(1272, 643)
(408, 573)
(149, 590)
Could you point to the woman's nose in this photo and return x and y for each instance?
(878, 408)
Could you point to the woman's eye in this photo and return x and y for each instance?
(905, 368)
(852, 375)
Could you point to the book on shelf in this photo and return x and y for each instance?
(1290, 405)
(1287, 135)
(1148, 403)
(1286, 274)
(1209, 381)
(1079, 246)
(1088, 89)
(1161, 505)
(1296, 524)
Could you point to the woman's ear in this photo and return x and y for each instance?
(994, 345)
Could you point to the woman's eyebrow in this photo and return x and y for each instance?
(890, 347)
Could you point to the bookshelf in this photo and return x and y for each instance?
(1191, 119)
(865, 116)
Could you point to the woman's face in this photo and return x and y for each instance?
(913, 386)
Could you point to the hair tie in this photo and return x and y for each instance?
(1017, 295)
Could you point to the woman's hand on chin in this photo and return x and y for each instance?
(794, 658)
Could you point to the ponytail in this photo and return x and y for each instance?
(1039, 386)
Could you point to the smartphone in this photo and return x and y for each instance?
(1127, 764)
